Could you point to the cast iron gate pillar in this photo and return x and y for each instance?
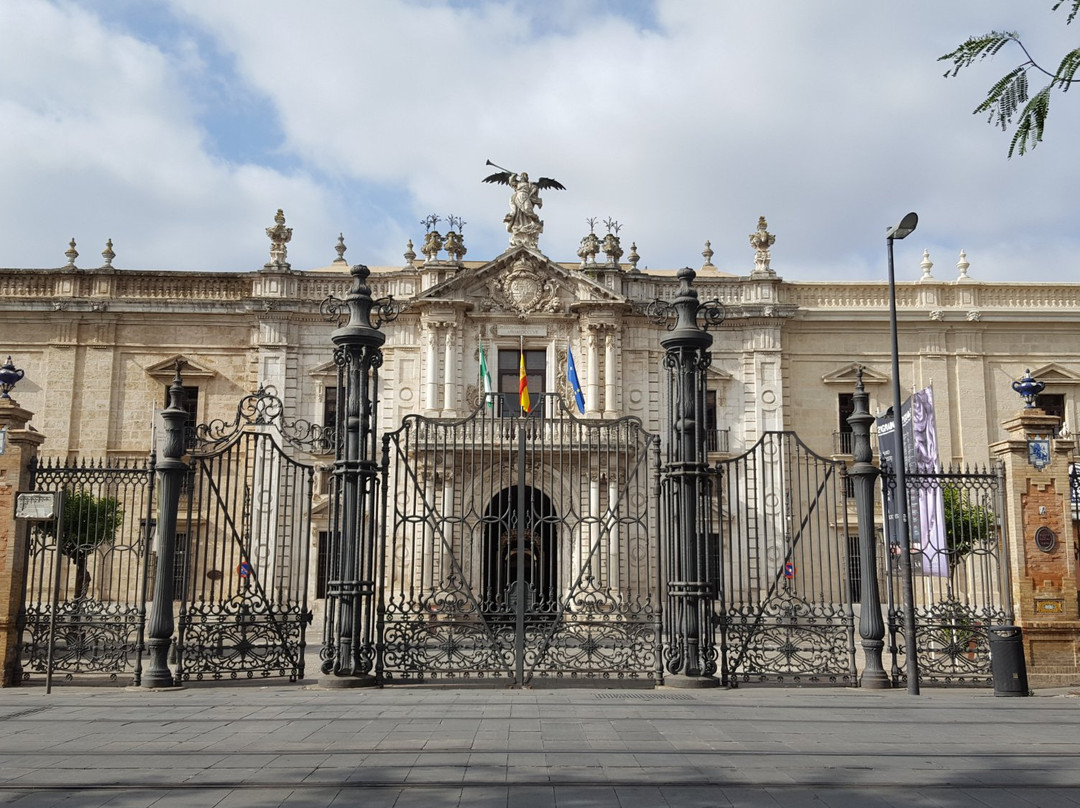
(691, 648)
(349, 642)
(864, 475)
(171, 472)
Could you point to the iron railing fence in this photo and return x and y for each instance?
(88, 571)
(779, 558)
(959, 568)
(519, 549)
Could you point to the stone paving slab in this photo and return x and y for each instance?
(296, 745)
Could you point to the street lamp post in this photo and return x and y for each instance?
(903, 230)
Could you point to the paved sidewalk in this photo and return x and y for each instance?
(294, 745)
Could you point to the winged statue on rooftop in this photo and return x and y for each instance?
(522, 222)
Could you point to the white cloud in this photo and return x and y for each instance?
(832, 119)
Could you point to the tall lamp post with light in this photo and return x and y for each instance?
(903, 230)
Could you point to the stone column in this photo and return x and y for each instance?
(610, 403)
(20, 448)
(431, 381)
(1041, 549)
(592, 373)
(449, 376)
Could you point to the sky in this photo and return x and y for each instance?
(177, 128)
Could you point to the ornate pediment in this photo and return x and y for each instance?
(165, 370)
(848, 375)
(1053, 373)
(521, 281)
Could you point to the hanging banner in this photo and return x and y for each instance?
(926, 509)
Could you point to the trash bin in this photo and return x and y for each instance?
(1007, 664)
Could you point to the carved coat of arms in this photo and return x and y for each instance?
(525, 290)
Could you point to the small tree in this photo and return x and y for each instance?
(87, 522)
(967, 524)
(1005, 98)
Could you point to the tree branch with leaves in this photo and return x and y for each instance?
(1009, 98)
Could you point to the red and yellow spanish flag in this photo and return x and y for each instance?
(523, 387)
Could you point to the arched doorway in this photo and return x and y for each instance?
(521, 549)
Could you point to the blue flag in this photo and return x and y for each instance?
(571, 376)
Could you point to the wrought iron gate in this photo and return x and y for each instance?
(86, 576)
(961, 585)
(783, 610)
(242, 546)
(520, 549)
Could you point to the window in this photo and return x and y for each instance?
(1052, 404)
(191, 407)
(716, 439)
(509, 375)
(190, 404)
(845, 406)
(330, 407)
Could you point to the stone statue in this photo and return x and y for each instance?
(761, 240)
(522, 222)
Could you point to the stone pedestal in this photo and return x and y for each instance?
(1041, 550)
(20, 447)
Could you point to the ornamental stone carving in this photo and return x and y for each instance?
(761, 240)
(524, 290)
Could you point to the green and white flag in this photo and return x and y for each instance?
(485, 380)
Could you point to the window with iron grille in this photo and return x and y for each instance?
(509, 377)
(845, 406)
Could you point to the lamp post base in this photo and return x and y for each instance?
(332, 682)
(691, 682)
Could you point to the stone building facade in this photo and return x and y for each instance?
(98, 345)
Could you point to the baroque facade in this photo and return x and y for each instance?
(98, 346)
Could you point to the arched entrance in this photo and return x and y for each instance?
(521, 549)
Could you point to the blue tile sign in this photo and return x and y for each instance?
(1039, 451)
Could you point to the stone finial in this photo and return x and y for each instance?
(433, 241)
(761, 241)
(633, 257)
(926, 266)
(963, 265)
(340, 248)
(455, 241)
(590, 244)
(707, 254)
(108, 254)
(279, 236)
(410, 254)
(71, 254)
(612, 247)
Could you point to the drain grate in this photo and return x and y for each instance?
(621, 694)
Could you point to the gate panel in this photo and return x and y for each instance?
(520, 549)
(242, 550)
(959, 569)
(783, 608)
(84, 600)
